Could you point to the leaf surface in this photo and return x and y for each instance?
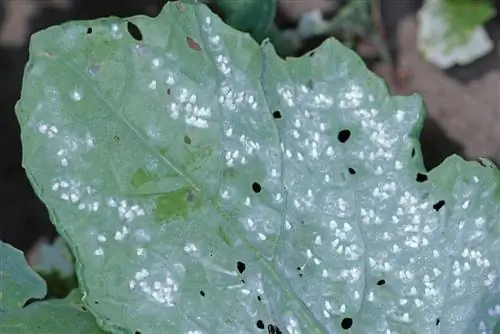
(207, 186)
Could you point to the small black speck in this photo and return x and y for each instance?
(243, 281)
(259, 298)
(89, 30)
(381, 282)
(96, 302)
(413, 152)
(137, 332)
(344, 135)
(352, 171)
(202, 293)
(169, 91)
(187, 140)
(272, 329)
(299, 270)
(421, 177)
(240, 266)
(276, 114)
(346, 323)
(83, 308)
(134, 31)
(437, 321)
(311, 54)
(438, 205)
(256, 187)
(260, 324)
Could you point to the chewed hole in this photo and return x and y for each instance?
(276, 114)
(438, 205)
(134, 31)
(202, 293)
(260, 324)
(240, 266)
(193, 44)
(256, 187)
(187, 140)
(437, 321)
(89, 30)
(346, 323)
(381, 282)
(421, 177)
(352, 171)
(413, 152)
(344, 135)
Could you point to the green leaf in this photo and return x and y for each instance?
(18, 282)
(56, 316)
(296, 204)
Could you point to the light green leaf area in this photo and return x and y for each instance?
(464, 16)
(55, 316)
(207, 186)
(18, 282)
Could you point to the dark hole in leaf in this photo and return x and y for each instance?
(344, 135)
(437, 321)
(299, 270)
(168, 91)
(187, 140)
(260, 324)
(346, 323)
(413, 152)
(272, 329)
(438, 205)
(312, 54)
(134, 31)
(202, 293)
(381, 282)
(193, 44)
(256, 187)
(89, 30)
(276, 114)
(137, 332)
(352, 171)
(83, 308)
(240, 266)
(421, 177)
(310, 84)
(259, 298)
(243, 281)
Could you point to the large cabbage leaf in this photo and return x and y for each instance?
(207, 186)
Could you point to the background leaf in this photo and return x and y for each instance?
(206, 185)
(56, 316)
(18, 282)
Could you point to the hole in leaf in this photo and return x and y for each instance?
(312, 54)
(259, 298)
(272, 329)
(437, 321)
(168, 91)
(187, 140)
(202, 293)
(438, 205)
(352, 171)
(260, 324)
(310, 84)
(413, 152)
(299, 270)
(381, 282)
(344, 135)
(193, 44)
(240, 266)
(421, 177)
(134, 31)
(89, 30)
(256, 187)
(276, 114)
(346, 323)
(137, 332)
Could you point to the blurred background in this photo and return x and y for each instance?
(446, 50)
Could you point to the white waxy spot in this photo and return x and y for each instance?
(101, 238)
(99, 252)
(76, 95)
(190, 248)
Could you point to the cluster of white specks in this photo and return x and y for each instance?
(156, 63)
(352, 98)
(101, 238)
(287, 96)
(194, 331)
(223, 64)
(90, 140)
(292, 326)
(49, 130)
(62, 156)
(140, 251)
(190, 248)
(115, 31)
(161, 292)
(76, 95)
(99, 251)
(494, 311)
(125, 211)
(152, 85)
(121, 234)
